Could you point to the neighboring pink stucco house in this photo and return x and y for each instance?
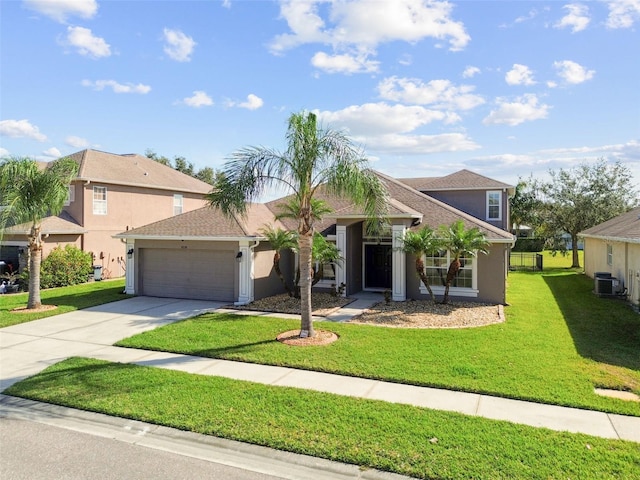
(111, 193)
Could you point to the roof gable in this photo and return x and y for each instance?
(461, 180)
(134, 170)
(625, 227)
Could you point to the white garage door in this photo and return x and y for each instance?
(194, 274)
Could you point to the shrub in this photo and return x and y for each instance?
(65, 266)
(529, 245)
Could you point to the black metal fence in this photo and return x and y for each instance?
(525, 261)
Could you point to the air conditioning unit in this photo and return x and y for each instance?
(606, 286)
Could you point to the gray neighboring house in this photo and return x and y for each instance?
(614, 247)
(202, 254)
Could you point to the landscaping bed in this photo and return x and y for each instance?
(322, 304)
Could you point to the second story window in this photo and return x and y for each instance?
(494, 206)
(177, 204)
(99, 200)
(71, 195)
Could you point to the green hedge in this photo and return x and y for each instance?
(65, 266)
(529, 245)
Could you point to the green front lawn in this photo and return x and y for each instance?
(67, 299)
(398, 438)
(558, 343)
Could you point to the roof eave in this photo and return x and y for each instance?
(139, 185)
(609, 238)
(233, 238)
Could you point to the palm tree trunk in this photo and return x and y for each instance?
(35, 259)
(423, 276)
(451, 274)
(306, 325)
(276, 267)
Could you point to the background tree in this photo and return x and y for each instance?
(315, 158)
(206, 174)
(524, 205)
(420, 243)
(460, 242)
(280, 239)
(30, 193)
(584, 196)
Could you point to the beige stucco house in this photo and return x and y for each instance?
(613, 247)
(111, 193)
(201, 254)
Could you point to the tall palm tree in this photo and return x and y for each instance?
(280, 239)
(420, 243)
(30, 193)
(314, 157)
(460, 242)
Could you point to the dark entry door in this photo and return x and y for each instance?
(377, 266)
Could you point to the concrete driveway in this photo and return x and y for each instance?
(30, 347)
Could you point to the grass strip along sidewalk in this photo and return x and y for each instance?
(548, 350)
(397, 438)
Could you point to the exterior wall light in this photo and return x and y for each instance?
(239, 257)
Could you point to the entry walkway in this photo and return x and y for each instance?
(30, 347)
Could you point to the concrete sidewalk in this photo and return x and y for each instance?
(30, 347)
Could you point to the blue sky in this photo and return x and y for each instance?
(503, 88)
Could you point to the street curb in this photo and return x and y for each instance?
(232, 453)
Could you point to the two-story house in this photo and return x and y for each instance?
(229, 260)
(110, 194)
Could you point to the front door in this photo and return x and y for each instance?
(377, 266)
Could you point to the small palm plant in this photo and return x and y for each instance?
(280, 239)
(460, 242)
(419, 243)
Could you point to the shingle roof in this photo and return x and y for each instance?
(207, 223)
(404, 201)
(461, 180)
(624, 228)
(134, 170)
(63, 224)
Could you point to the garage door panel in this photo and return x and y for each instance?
(194, 274)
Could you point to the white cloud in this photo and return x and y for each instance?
(372, 119)
(519, 75)
(86, 43)
(362, 25)
(623, 13)
(253, 102)
(198, 99)
(117, 87)
(524, 109)
(420, 144)
(52, 152)
(439, 93)
(577, 17)
(405, 60)
(178, 46)
(4, 152)
(21, 128)
(345, 63)
(572, 72)
(76, 142)
(226, 3)
(470, 72)
(59, 10)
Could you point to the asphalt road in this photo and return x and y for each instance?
(36, 451)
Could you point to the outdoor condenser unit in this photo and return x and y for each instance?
(606, 285)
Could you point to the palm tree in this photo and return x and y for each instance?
(323, 252)
(460, 242)
(420, 243)
(280, 239)
(314, 157)
(30, 193)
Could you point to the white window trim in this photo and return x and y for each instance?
(609, 254)
(180, 204)
(489, 194)
(71, 195)
(456, 291)
(100, 202)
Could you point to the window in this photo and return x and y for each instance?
(437, 265)
(99, 200)
(71, 195)
(494, 206)
(327, 271)
(609, 254)
(177, 204)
